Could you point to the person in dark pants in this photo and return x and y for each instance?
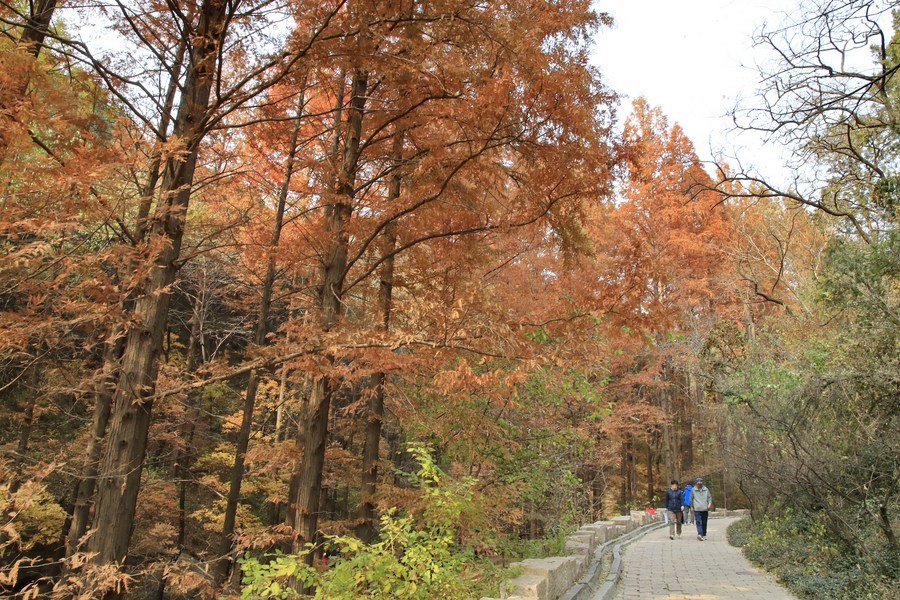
(688, 511)
(673, 508)
(701, 502)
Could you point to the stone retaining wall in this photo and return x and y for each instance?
(550, 578)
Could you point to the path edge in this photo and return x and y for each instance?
(587, 588)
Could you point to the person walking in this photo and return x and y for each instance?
(673, 509)
(702, 503)
(688, 511)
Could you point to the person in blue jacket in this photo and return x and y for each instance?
(673, 509)
(686, 503)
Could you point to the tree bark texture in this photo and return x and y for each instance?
(365, 529)
(334, 270)
(122, 462)
(103, 397)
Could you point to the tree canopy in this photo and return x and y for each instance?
(293, 291)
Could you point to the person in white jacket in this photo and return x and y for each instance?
(702, 503)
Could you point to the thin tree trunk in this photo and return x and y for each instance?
(183, 457)
(279, 411)
(262, 328)
(28, 417)
(749, 321)
(123, 459)
(669, 440)
(686, 425)
(884, 523)
(623, 473)
(154, 171)
(334, 270)
(103, 396)
(292, 516)
(597, 490)
(632, 471)
(34, 32)
(26, 430)
(365, 529)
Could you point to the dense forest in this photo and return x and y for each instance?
(407, 284)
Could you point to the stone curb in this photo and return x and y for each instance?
(587, 587)
(553, 578)
(582, 590)
(577, 575)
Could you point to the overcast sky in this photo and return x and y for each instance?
(692, 58)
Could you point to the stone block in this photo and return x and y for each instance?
(588, 531)
(618, 530)
(579, 550)
(608, 528)
(527, 586)
(584, 537)
(599, 531)
(559, 572)
(624, 521)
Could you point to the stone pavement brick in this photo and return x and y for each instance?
(657, 568)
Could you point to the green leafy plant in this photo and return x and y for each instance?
(416, 556)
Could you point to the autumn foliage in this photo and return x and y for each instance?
(263, 262)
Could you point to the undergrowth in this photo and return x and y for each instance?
(804, 555)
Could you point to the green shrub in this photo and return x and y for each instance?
(416, 556)
(798, 548)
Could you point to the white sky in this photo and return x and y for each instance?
(692, 58)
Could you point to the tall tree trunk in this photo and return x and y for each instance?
(686, 425)
(31, 40)
(183, 457)
(631, 464)
(293, 513)
(262, 328)
(623, 473)
(669, 441)
(123, 458)
(334, 270)
(365, 529)
(35, 31)
(115, 346)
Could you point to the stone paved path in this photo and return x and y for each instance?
(655, 568)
